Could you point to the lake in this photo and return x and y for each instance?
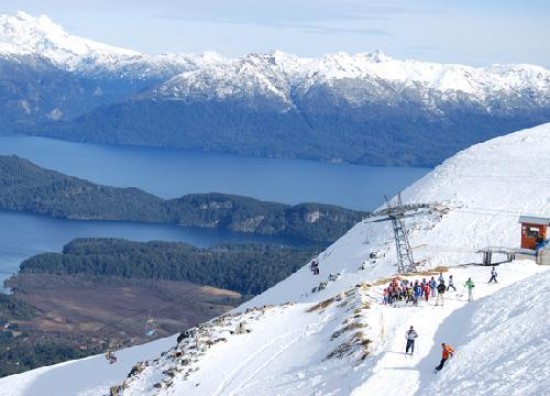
(172, 173)
(24, 235)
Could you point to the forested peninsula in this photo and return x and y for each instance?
(29, 188)
(246, 269)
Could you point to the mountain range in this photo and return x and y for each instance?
(331, 333)
(366, 108)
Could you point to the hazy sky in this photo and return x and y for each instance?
(473, 32)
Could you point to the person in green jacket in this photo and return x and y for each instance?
(470, 285)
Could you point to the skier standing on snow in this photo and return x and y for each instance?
(440, 290)
(433, 286)
(426, 291)
(451, 283)
(446, 352)
(470, 285)
(493, 275)
(417, 292)
(410, 335)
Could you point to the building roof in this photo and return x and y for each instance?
(534, 220)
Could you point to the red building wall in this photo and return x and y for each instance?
(531, 234)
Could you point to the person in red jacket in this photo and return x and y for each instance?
(426, 291)
(446, 352)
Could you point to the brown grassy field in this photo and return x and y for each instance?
(115, 309)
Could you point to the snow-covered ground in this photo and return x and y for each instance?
(341, 340)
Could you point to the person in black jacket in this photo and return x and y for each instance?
(440, 290)
(493, 275)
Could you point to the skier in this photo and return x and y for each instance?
(493, 275)
(426, 291)
(451, 283)
(470, 285)
(314, 266)
(410, 295)
(440, 290)
(433, 286)
(417, 292)
(410, 335)
(447, 351)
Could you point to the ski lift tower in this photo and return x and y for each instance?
(396, 213)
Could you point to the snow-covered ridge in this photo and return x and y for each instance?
(24, 35)
(367, 75)
(276, 74)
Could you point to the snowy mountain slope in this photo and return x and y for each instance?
(478, 195)
(258, 79)
(23, 35)
(503, 342)
(306, 342)
(83, 378)
(360, 79)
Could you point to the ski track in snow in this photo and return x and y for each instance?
(239, 380)
(234, 374)
(247, 381)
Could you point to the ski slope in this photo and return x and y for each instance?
(341, 340)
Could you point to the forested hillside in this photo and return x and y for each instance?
(29, 188)
(247, 269)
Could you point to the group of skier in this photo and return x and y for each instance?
(412, 291)
(417, 290)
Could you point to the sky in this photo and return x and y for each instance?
(471, 32)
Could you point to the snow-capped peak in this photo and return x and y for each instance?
(23, 34)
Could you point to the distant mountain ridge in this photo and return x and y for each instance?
(366, 108)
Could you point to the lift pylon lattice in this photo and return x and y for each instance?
(405, 260)
(396, 213)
